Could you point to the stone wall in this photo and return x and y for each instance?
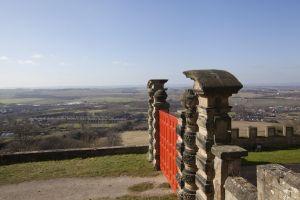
(272, 137)
(61, 154)
(274, 182)
(277, 182)
(237, 188)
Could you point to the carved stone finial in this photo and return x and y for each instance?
(214, 81)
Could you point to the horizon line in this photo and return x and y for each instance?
(143, 85)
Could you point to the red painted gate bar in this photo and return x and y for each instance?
(168, 137)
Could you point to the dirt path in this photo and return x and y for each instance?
(89, 188)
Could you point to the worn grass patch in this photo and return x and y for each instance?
(141, 187)
(289, 156)
(118, 165)
(134, 138)
(164, 185)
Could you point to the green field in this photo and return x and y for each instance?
(289, 156)
(109, 99)
(19, 100)
(119, 165)
(134, 138)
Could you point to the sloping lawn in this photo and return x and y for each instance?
(118, 165)
(289, 156)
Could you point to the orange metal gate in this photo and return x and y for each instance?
(168, 137)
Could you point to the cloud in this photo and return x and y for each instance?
(26, 62)
(63, 64)
(4, 58)
(37, 56)
(122, 63)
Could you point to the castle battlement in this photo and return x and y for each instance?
(271, 137)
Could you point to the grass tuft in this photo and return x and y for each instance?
(141, 187)
(164, 185)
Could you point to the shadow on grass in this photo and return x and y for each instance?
(250, 162)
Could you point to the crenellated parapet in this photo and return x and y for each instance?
(152, 86)
(278, 136)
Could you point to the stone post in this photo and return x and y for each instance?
(213, 88)
(153, 85)
(190, 102)
(227, 162)
(160, 103)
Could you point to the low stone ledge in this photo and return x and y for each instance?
(274, 181)
(240, 189)
(280, 172)
(62, 154)
(228, 151)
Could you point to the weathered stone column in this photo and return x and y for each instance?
(213, 88)
(180, 130)
(159, 103)
(190, 102)
(227, 162)
(153, 85)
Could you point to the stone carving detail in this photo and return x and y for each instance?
(189, 101)
(180, 148)
(212, 89)
(159, 103)
(153, 85)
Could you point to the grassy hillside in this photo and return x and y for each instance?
(130, 165)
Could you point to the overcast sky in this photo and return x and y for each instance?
(46, 43)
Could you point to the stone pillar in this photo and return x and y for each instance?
(160, 103)
(153, 85)
(190, 102)
(227, 162)
(180, 130)
(213, 88)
